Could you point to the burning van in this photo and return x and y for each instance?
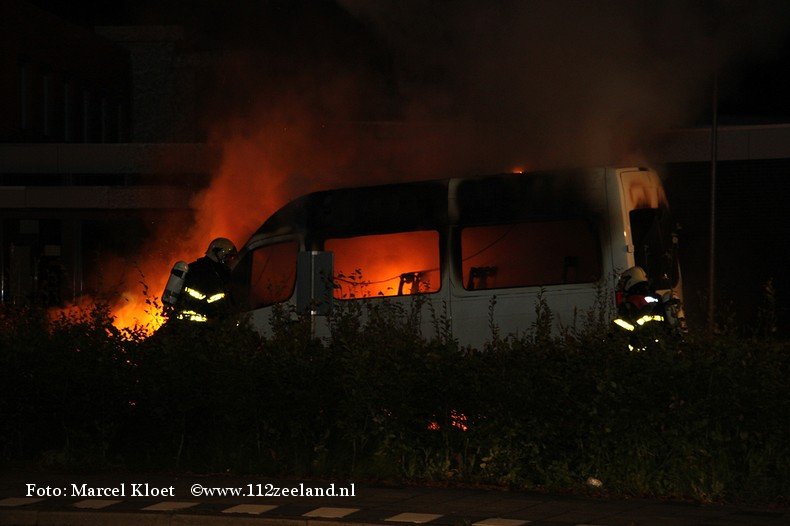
(460, 243)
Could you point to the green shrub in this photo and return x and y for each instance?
(706, 417)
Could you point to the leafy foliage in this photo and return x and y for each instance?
(707, 416)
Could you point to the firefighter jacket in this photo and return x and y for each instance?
(206, 292)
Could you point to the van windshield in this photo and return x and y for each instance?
(655, 246)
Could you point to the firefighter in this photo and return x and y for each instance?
(205, 294)
(640, 306)
(637, 303)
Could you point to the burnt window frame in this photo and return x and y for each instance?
(457, 254)
(441, 243)
(242, 278)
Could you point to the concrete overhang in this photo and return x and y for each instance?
(94, 197)
(115, 158)
(734, 143)
(199, 159)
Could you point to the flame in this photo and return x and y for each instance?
(259, 171)
(459, 420)
(267, 160)
(130, 309)
(72, 309)
(137, 310)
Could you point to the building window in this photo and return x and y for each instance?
(105, 125)
(24, 96)
(86, 116)
(273, 275)
(67, 136)
(121, 136)
(529, 254)
(46, 106)
(386, 264)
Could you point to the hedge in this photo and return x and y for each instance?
(703, 416)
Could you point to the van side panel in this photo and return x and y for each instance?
(512, 310)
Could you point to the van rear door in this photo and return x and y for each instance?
(651, 227)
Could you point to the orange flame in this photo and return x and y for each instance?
(459, 420)
(259, 171)
(284, 153)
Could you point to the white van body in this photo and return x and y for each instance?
(472, 243)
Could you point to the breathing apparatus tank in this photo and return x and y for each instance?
(175, 283)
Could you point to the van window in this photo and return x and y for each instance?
(386, 264)
(273, 274)
(529, 254)
(653, 231)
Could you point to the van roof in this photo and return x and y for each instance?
(418, 205)
(423, 205)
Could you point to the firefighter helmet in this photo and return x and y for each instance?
(631, 278)
(221, 250)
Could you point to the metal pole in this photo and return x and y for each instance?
(77, 277)
(2, 261)
(712, 254)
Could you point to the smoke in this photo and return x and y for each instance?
(454, 88)
(566, 82)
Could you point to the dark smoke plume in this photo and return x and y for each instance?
(312, 94)
(317, 94)
(552, 82)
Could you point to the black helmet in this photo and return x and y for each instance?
(222, 250)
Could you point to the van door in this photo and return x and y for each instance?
(264, 276)
(651, 228)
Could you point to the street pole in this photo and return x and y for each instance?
(712, 254)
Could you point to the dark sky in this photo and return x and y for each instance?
(759, 89)
(753, 87)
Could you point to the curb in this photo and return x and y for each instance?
(83, 518)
